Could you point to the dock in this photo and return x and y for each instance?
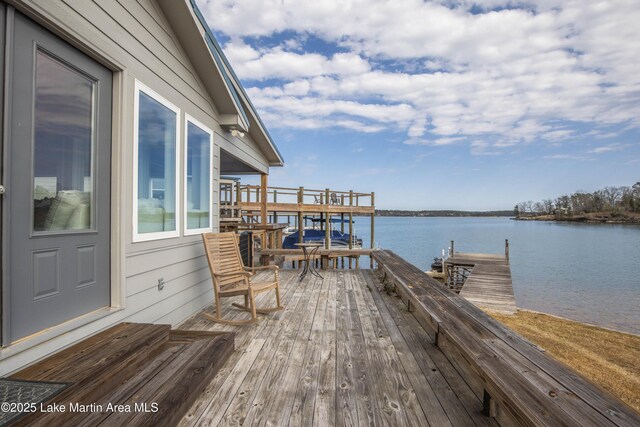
(482, 279)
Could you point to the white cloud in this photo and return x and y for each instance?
(608, 148)
(312, 113)
(279, 63)
(567, 157)
(498, 78)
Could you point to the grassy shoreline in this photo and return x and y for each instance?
(608, 358)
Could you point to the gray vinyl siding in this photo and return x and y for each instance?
(135, 36)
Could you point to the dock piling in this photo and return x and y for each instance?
(506, 249)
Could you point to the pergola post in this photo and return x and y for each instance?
(263, 198)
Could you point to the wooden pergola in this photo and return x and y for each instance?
(263, 204)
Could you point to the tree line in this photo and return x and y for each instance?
(607, 199)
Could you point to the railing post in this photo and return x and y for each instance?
(300, 214)
(327, 224)
(350, 224)
(342, 229)
(373, 228)
(275, 200)
(451, 250)
(238, 213)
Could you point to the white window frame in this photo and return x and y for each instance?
(189, 119)
(143, 237)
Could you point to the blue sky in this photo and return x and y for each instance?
(442, 104)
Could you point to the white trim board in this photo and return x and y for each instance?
(143, 237)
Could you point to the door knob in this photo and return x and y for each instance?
(2, 189)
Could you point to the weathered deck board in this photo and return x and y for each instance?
(307, 382)
(366, 409)
(334, 356)
(456, 397)
(325, 409)
(489, 284)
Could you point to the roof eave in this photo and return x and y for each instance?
(203, 54)
(235, 81)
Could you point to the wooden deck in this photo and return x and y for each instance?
(343, 352)
(489, 284)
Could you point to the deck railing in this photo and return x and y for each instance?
(252, 194)
(264, 204)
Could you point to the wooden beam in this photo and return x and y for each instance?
(263, 198)
(308, 208)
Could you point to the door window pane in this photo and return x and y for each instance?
(198, 161)
(156, 166)
(63, 147)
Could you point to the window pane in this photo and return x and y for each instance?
(63, 147)
(198, 177)
(156, 166)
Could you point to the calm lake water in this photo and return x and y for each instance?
(585, 272)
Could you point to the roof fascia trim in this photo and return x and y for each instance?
(223, 62)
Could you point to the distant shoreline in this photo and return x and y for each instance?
(441, 213)
(590, 218)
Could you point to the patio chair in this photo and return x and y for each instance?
(334, 199)
(231, 278)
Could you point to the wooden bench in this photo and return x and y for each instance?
(130, 364)
(518, 382)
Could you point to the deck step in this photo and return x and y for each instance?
(154, 372)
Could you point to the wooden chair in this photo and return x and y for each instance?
(231, 278)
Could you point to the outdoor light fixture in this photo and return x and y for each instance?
(236, 132)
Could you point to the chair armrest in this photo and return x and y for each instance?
(234, 273)
(272, 267)
(264, 267)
